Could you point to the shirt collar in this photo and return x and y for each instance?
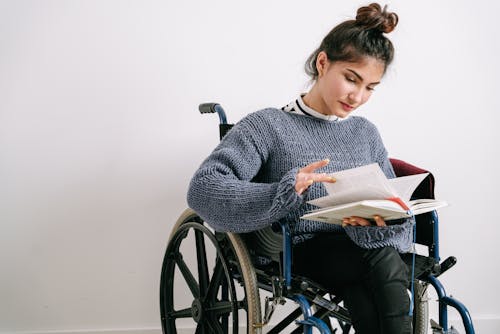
(298, 106)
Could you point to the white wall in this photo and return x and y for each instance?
(99, 135)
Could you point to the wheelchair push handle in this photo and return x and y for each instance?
(211, 108)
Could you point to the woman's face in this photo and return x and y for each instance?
(342, 87)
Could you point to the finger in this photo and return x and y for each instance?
(315, 165)
(323, 178)
(379, 221)
(347, 221)
(361, 221)
(306, 182)
(352, 222)
(300, 190)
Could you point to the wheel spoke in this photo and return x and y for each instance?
(217, 316)
(202, 262)
(188, 276)
(199, 328)
(184, 313)
(213, 325)
(225, 323)
(215, 282)
(220, 308)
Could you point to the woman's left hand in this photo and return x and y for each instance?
(358, 221)
(307, 175)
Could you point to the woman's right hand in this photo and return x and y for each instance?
(358, 221)
(306, 176)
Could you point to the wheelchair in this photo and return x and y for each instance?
(223, 282)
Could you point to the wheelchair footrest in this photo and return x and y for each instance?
(445, 265)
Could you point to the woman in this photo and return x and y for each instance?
(274, 160)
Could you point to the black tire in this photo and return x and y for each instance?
(217, 303)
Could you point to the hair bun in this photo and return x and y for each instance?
(376, 18)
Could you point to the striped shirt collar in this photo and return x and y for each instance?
(298, 106)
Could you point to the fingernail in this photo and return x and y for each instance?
(310, 182)
(332, 179)
(326, 160)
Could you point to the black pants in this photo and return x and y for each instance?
(373, 283)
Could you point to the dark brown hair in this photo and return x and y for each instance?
(354, 39)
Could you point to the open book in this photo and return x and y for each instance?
(366, 191)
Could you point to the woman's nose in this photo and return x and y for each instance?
(356, 96)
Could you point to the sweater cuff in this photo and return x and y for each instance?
(286, 197)
(398, 236)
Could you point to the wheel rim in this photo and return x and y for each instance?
(214, 305)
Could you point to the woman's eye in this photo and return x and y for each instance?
(371, 89)
(350, 79)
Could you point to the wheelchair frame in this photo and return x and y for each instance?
(215, 301)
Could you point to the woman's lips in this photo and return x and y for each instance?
(346, 106)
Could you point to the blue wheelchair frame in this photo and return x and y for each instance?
(443, 299)
(309, 320)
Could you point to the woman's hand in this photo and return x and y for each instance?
(306, 176)
(358, 221)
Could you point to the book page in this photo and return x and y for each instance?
(351, 195)
(356, 184)
(420, 206)
(404, 186)
(367, 209)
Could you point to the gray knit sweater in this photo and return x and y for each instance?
(247, 183)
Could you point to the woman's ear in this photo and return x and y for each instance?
(321, 63)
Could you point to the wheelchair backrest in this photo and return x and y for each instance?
(425, 222)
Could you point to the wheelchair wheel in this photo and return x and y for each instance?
(420, 308)
(199, 291)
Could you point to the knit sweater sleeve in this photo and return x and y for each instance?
(223, 192)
